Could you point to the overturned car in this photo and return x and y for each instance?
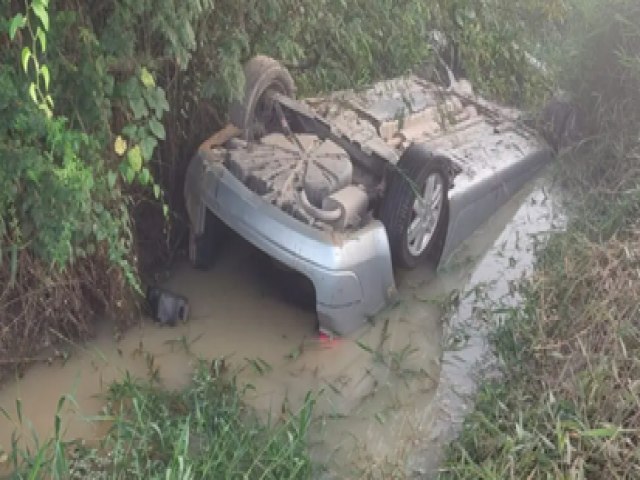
(343, 188)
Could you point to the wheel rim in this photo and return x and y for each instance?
(426, 212)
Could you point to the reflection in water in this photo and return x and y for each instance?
(375, 389)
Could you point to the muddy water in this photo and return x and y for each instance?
(383, 394)
(489, 289)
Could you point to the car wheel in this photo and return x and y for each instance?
(415, 208)
(255, 111)
(202, 247)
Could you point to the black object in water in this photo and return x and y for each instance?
(167, 308)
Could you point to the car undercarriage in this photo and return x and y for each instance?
(399, 173)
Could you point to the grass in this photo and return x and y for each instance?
(568, 403)
(204, 431)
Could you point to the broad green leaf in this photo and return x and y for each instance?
(45, 108)
(157, 128)
(17, 22)
(148, 145)
(44, 71)
(41, 12)
(131, 131)
(157, 100)
(120, 146)
(42, 38)
(26, 55)
(162, 103)
(134, 156)
(138, 107)
(146, 78)
(165, 210)
(156, 191)
(32, 93)
(144, 176)
(111, 180)
(127, 173)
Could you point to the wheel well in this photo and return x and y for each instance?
(423, 151)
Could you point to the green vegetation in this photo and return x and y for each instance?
(103, 103)
(568, 403)
(204, 431)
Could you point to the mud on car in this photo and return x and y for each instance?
(346, 187)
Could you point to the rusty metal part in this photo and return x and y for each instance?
(221, 137)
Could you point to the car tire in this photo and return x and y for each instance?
(261, 74)
(417, 171)
(202, 247)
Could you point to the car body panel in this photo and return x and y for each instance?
(351, 271)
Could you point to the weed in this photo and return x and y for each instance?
(204, 431)
(260, 366)
(184, 343)
(568, 403)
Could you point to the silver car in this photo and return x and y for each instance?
(346, 187)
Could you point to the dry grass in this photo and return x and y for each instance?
(587, 349)
(41, 305)
(568, 405)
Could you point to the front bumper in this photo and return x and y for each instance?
(351, 272)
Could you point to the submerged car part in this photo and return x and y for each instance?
(405, 169)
